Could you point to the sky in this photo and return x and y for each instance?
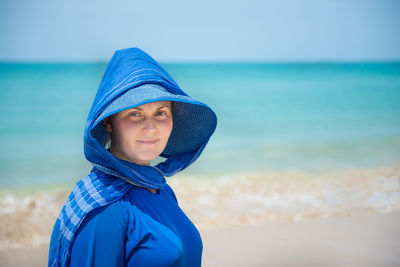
(197, 31)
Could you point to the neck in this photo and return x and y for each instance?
(117, 155)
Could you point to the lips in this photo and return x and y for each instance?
(147, 142)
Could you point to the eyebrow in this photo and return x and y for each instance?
(156, 108)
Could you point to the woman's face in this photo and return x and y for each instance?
(140, 134)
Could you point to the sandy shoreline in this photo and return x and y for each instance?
(358, 240)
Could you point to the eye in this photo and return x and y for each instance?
(134, 114)
(161, 113)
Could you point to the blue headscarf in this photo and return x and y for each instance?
(132, 78)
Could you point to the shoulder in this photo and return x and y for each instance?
(109, 218)
(100, 238)
(117, 209)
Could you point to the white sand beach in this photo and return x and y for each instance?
(357, 240)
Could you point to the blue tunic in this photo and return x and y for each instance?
(141, 229)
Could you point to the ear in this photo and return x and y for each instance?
(107, 124)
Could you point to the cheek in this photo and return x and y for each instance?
(165, 129)
(125, 130)
(168, 127)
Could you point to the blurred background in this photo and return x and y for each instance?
(306, 92)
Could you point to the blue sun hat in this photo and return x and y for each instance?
(133, 78)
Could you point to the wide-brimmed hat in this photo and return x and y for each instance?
(193, 121)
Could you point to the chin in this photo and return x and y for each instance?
(147, 158)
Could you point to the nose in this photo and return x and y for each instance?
(149, 125)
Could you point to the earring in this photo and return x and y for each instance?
(108, 143)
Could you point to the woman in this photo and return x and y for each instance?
(124, 213)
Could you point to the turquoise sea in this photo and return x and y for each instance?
(271, 117)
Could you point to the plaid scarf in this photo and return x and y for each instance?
(95, 190)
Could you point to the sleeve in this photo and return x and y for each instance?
(100, 238)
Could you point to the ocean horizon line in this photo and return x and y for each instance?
(217, 62)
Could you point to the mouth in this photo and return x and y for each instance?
(147, 142)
